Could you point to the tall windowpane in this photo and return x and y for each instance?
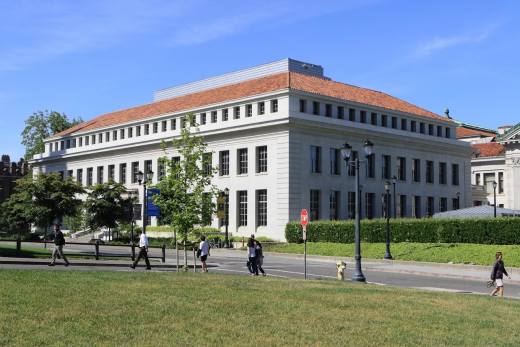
(223, 163)
(261, 159)
(416, 170)
(242, 207)
(351, 201)
(315, 159)
(334, 205)
(135, 170)
(314, 205)
(401, 168)
(242, 161)
(122, 173)
(261, 207)
(334, 161)
(369, 205)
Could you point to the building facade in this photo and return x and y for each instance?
(275, 132)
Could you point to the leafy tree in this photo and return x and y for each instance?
(186, 192)
(105, 206)
(40, 125)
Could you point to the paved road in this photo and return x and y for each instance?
(424, 276)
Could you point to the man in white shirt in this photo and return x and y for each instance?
(143, 252)
(204, 252)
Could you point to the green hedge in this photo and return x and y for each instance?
(498, 231)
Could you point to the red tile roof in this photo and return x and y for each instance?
(490, 149)
(463, 132)
(316, 85)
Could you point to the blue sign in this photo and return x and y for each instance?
(151, 208)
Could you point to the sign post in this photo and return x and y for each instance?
(304, 219)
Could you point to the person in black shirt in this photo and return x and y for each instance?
(59, 242)
(497, 275)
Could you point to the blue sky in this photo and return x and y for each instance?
(86, 58)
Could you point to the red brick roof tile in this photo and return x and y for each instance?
(490, 149)
(463, 132)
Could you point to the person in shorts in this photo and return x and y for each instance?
(204, 252)
(497, 275)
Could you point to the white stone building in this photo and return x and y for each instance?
(275, 131)
(496, 158)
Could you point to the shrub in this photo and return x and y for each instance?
(499, 231)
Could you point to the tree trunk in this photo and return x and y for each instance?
(185, 255)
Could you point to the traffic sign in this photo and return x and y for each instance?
(304, 217)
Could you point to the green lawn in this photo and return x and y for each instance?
(67, 308)
(459, 253)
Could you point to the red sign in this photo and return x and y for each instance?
(304, 217)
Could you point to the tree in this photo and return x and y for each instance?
(42, 200)
(40, 125)
(186, 192)
(105, 206)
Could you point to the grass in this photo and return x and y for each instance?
(458, 253)
(67, 308)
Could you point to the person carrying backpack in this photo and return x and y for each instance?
(259, 257)
(59, 242)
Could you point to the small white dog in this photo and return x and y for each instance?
(341, 266)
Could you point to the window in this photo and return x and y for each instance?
(130, 132)
(224, 163)
(352, 114)
(155, 127)
(161, 169)
(371, 166)
(341, 112)
(363, 116)
(122, 134)
(135, 170)
(387, 167)
(316, 108)
(107, 136)
(373, 118)
(173, 124)
(86, 141)
(183, 122)
(328, 110)
(500, 182)
(100, 138)
(351, 208)
(477, 179)
(274, 106)
(93, 140)
(334, 161)
(384, 120)
(213, 116)
(404, 124)
(80, 141)
(242, 161)
(261, 107)
(455, 174)
(261, 207)
(206, 213)
(417, 206)
(334, 205)
(439, 131)
(429, 171)
(207, 162)
(455, 203)
(147, 129)
(443, 179)
(430, 129)
(416, 170)
(164, 125)
(224, 221)
(351, 168)
(443, 204)
(315, 159)
(70, 173)
(413, 126)
(488, 181)
(111, 173)
(421, 128)
(402, 206)
(122, 173)
(236, 112)
(448, 133)
(261, 159)
(100, 172)
(249, 110)
(430, 206)
(303, 105)
(401, 168)
(79, 176)
(138, 130)
(90, 172)
(394, 122)
(147, 167)
(370, 199)
(225, 114)
(176, 162)
(314, 205)
(242, 207)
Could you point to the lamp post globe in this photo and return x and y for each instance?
(346, 152)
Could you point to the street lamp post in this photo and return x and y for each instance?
(495, 199)
(142, 179)
(226, 216)
(394, 209)
(346, 153)
(388, 255)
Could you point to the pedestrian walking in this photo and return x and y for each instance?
(143, 251)
(204, 252)
(497, 275)
(59, 242)
(259, 257)
(251, 255)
